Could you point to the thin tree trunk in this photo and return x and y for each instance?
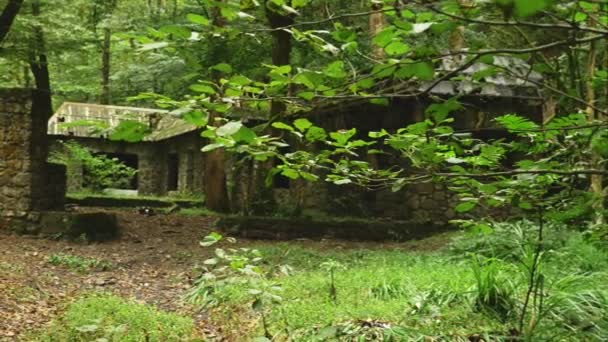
(27, 80)
(8, 16)
(596, 180)
(39, 65)
(105, 66)
(377, 23)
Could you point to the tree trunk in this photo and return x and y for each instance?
(281, 47)
(8, 16)
(376, 25)
(261, 197)
(104, 97)
(215, 187)
(42, 102)
(596, 186)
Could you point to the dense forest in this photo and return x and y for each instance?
(478, 125)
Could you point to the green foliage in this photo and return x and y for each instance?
(78, 263)
(99, 171)
(494, 291)
(103, 317)
(411, 295)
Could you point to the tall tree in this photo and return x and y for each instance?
(377, 23)
(38, 60)
(8, 16)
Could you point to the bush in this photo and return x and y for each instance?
(507, 239)
(99, 171)
(110, 318)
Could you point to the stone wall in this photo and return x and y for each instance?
(15, 153)
(27, 182)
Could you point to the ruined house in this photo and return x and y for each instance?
(484, 96)
(168, 159)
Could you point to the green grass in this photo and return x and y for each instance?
(424, 293)
(103, 317)
(79, 263)
(176, 197)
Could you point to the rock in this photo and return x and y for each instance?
(94, 226)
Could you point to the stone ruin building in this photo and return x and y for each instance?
(169, 158)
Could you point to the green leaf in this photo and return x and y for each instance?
(298, 3)
(307, 95)
(229, 129)
(526, 8)
(465, 206)
(283, 126)
(396, 48)
(197, 19)
(423, 71)
(196, 117)
(203, 88)
(211, 239)
(245, 135)
(315, 133)
(240, 80)
(290, 173)
(481, 228)
(176, 31)
(153, 46)
(130, 131)
(335, 70)
(222, 67)
(343, 136)
(514, 122)
(580, 17)
(211, 147)
(302, 124)
(384, 37)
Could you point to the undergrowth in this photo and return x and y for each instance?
(473, 289)
(102, 317)
(79, 263)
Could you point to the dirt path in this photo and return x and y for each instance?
(152, 262)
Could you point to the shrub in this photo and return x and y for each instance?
(507, 239)
(99, 171)
(494, 293)
(104, 317)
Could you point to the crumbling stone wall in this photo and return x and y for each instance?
(27, 182)
(15, 153)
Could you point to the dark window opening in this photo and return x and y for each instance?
(281, 182)
(172, 172)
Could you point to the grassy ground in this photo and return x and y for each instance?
(419, 294)
(427, 290)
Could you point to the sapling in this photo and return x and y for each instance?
(332, 266)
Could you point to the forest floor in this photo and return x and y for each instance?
(154, 261)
